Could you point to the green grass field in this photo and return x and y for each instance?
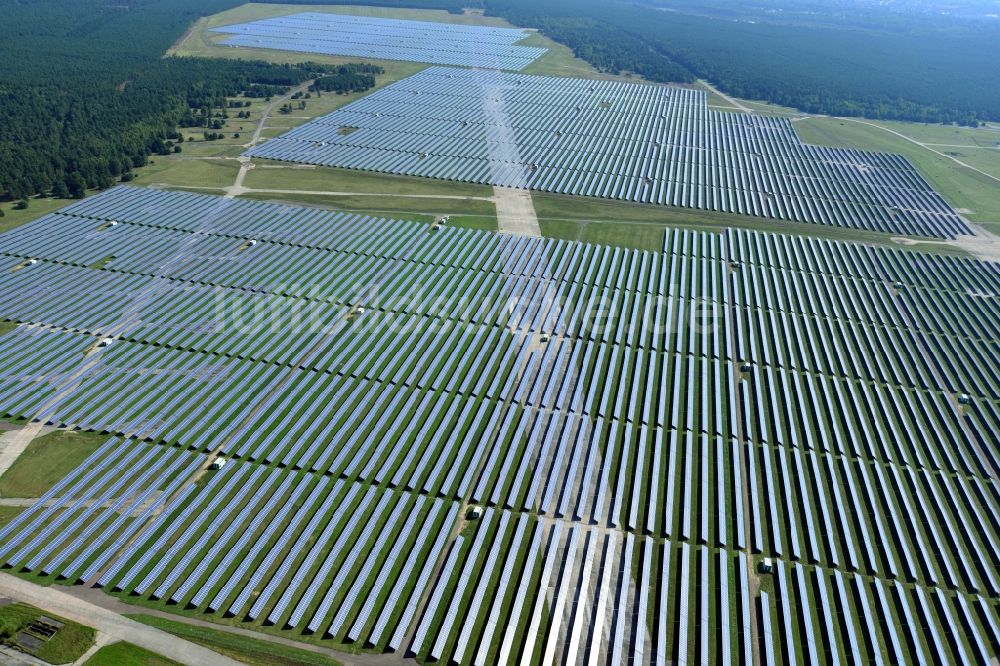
(46, 460)
(268, 174)
(174, 171)
(963, 188)
(9, 513)
(127, 654)
(641, 226)
(399, 207)
(36, 208)
(243, 649)
(68, 644)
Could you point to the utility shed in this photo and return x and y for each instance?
(218, 463)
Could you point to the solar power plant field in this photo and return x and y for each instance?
(387, 39)
(643, 143)
(637, 430)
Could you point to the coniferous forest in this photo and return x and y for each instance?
(895, 68)
(86, 94)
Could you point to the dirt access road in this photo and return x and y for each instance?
(52, 600)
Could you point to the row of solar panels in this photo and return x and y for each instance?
(463, 128)
(371, 434)
(312, 227)
(387, 39)
(614, 599)
(535, 457)
(322, 21)
(547, 439)
(203, 543)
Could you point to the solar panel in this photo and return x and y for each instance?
(386, 39)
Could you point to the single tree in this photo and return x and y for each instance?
(77, 185)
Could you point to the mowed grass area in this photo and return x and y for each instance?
(408, 208)
(46, 460)
(420, 199)
(641, 226)
(268, 174)
(127, 654)
(7, 327)
(65, 647)
(37, 207)
(963, 188)
(984, 159)
(175, 171)
(246, 650)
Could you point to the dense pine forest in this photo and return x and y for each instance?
(86, 94)
(925, 69)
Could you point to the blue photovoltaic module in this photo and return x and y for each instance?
(616, 140)
(387, 39)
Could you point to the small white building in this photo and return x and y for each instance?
(106, 342)
(218, 463)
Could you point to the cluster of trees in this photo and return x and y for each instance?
(349, 78)
(919, 69)
(288, 108)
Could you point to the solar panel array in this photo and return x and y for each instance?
(387, 39)
(639, 428)
(625, 141)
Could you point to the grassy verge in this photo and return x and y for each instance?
(46, 460)
(269, 174)
(7, 327)
(247, 650)
(641, 226)
(401, 207)
(66, 646)
(127, 654)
